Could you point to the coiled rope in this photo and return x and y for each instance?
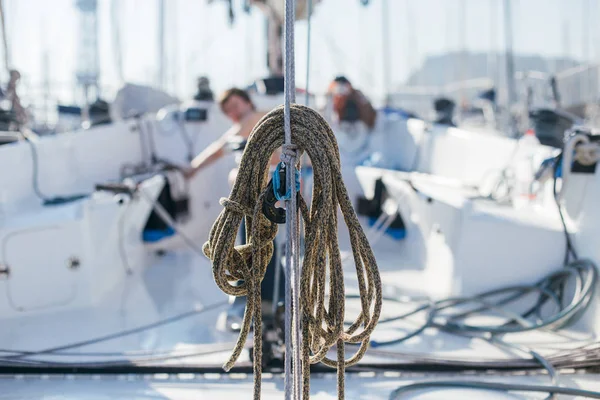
(322, 281)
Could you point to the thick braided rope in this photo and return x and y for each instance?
(322, 272)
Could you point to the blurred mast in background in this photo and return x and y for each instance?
(5, 48)
(493, 51)
(510, 67)
(161, 44)
(115, 10)
(274, 40)
(463, 51)
(88, 69)
(412, 44)
(45, 62)
(274, 12)
(386, 52)
(585, 50)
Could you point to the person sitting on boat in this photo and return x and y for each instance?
(237, 105)
(350, 104)
(239, 108)
(444, 111)
(13, 97)
(204, 92)
(353, 119)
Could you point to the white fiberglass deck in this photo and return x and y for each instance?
(181, 281)
(366, 386)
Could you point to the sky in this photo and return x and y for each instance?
(346, 39)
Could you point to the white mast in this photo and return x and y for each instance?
(493, 54)
(411, 48)
(585, 27)
(88, 64)
(174, 70)
(161, 44)
(463, 49)
(510, 65)
(116, 31)
(4, 38)
(385, 45)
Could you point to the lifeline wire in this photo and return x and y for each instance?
(496, 386)
(322, 270)
(22, 354)
(292, 257)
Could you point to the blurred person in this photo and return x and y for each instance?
(444, 111)
(13, 97)
(237, 105)
(203, 91)
(350, 104)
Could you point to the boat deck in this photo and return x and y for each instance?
(173, 285)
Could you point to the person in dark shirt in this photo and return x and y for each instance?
(11, 94)
(204, 92)
(350, 104)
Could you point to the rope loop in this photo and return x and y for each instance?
(322, 291)
(235, 207)
(289, 154)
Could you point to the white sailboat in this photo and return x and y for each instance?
(476, 283)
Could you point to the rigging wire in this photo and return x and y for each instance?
(116, 335)
(495, 386)
(293, 334)
(150, 359)
(128, 353)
